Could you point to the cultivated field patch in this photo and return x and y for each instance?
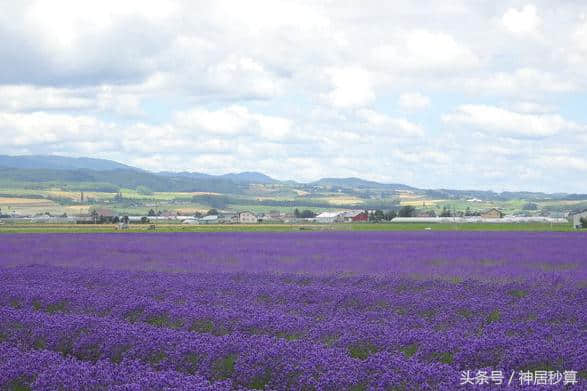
(313, 310)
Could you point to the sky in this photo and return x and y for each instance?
(483, 94)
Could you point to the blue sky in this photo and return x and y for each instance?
(454, 94)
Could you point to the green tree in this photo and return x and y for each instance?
(307, 214)
(297, 213)
(584, 222)
(392, 214)
(530, 206)
(445, 212)
(144, 190)
(212, 212)
(407, 211)
(377, 216)
(151, 213)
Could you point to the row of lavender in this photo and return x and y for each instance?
(64, 326)
(423, 255)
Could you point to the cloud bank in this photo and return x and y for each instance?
(438, 94)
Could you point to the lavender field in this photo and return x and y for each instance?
(299, 311)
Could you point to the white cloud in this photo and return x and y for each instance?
(352, 87)
(229, 121)
(417, 50)
(532, 107)
(244, 75)
(387, 125)
(576, 54)
(61, 21)
(521, 82)
(234, 121)
(580, 37)
(270, 85)
(491, 119)
(413, 101)
(524, 21)
(27, 97)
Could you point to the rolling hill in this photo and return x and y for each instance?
(61, 163)
(83, 173)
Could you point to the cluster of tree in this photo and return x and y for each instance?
(446, 212)
(406, 211)
(469, 212)
(215, 201)
(152, 212)
(584, 222)
(530, 206)
(304, 214)
(380, 215)
(144, 190)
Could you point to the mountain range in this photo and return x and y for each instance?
(101, 174)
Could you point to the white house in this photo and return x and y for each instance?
(247, 217)
(577, 219)
(329, 217)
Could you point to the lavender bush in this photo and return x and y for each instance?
(300, 311)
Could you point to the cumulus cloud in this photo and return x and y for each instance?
(497, 120)
(523, 21)
(398, 127)
(423, 50)
(302, 89)
(234, 121)
(27, 97)
(352, 87)
(521, 82)
(532, 107)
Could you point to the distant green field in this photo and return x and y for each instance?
(72, 228)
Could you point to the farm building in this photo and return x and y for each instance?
(576, 218)
(247, 217)
(212, 219)
(329, 217)
(105, 214)
(355, 216)
(273, 216)
(492, 214)
(228, 218)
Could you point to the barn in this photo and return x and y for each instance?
(355, 216)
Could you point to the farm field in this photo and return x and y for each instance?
(303, 310)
